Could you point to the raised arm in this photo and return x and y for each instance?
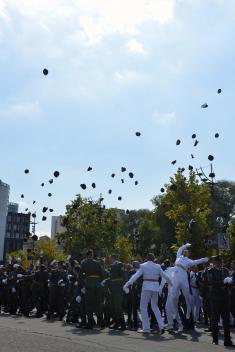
(181, 249)
(197, 261)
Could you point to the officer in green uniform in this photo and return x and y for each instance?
(117, 279)
(92, 274)
(219, 297)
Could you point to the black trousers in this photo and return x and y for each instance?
(220, 307)
(93, 303)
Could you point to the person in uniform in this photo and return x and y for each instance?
(219, 280)
(39, 290)
(92, 274)
(181, 282)
(117, 276)
(151, 273)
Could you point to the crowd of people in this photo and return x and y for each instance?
(138, 296)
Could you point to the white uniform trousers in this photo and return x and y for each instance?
(146, 297)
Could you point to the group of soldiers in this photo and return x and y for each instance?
(138, 296)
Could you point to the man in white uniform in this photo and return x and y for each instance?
(180, 281)
(151, 273)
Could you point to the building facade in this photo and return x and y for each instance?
(17, 227)
(4, 201)
(56, 226)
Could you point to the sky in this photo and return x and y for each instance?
(115, 67)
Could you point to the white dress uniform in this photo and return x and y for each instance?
(180, 281)
(169, 302)
(151, 273)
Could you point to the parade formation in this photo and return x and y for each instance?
(147, 297)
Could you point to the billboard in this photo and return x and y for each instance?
(223, 241)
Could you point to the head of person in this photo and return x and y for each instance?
(217, 261)
(167, 263)
(150, 257)
(136, 264)
(186, 253)
(61, 265)
(90, 254)
(42, 267)
(112, 258)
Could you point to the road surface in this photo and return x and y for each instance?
(18, 334)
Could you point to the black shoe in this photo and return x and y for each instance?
(113, 327)
(208, 330)
(215, 343)
(162, 331)
(228, 344)
(122, 328)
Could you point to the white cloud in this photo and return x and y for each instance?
(3, 12)
(134, 46)
(127, 76)
(20, 110)
(164, 118)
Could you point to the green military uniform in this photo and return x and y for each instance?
(92, 273)
(219, 298)
(117, 278)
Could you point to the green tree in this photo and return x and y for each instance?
(186, 200)
(123, 248)
(89, 225)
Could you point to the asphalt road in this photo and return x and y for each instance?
(38, 335)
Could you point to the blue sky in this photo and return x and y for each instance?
(115, 67)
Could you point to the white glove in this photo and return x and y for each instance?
(76, 283)
(69, 276)
(78, 299)
(4, 281)
(19, 276)
(228, 280)
(188, 245)
(126, 289)
(83, 290)
(103, 283)
(13, 290)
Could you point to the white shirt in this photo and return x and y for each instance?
(149, 270)
(184, 263)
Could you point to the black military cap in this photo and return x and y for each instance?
(212, 174)
(83, 186)
(44, 218)
(34, 215)
(93, 185)
(183, 169)
(210, 157)
(192, 156)
(56, 174)
(49, 194)
(173, 162)
(122, 180)
(119, 198)
(110, 191)
(190, 167)
(123, 169)
(34, 237)
(216, 258)
(178, 142)
(136, 183)
(26, 209)
(22, 196)
(89, 168)
(44, 209)
(204, 106)
(194, 136)
(50, 181)
(173, 187)
(131, 175)
(26, 171)
(217, 135)
(42, 184)
(45, 71)
(196, 143)
(113, 175)
(34, 201)
(162, 190)
(138, 134)
(127, 211)
(219, 91)
(51, 210)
